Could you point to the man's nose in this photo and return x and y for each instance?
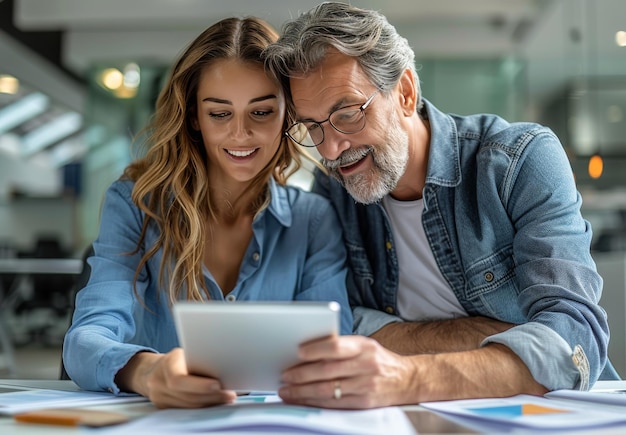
(334, 144)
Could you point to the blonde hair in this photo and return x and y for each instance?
(171, 181)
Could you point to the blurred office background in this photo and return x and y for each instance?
(78, 79)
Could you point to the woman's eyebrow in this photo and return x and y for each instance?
(222, 101)
(263, 98)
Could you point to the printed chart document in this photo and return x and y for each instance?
(526, 411)
(610, 397)
(607, 392)
(251, 416)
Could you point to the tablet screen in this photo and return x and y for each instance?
(246, 345)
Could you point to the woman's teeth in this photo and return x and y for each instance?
(237, 153)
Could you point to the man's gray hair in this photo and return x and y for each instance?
(363, 34)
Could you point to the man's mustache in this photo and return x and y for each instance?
(348, 157)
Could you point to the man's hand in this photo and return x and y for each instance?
(354, 372)
(164, 379)
(346, 372)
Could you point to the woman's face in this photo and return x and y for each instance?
(240, 115)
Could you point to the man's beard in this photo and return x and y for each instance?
(389, 160)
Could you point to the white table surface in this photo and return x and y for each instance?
(424, 421)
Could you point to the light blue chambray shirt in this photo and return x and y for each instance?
(296, 253)
(502, 216)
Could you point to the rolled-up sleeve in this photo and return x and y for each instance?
(553, 363)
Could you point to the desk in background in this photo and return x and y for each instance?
(24, 269)
(48, 266)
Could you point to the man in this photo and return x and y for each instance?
(470, 265)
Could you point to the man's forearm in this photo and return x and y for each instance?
(455, 335)
(491, 371)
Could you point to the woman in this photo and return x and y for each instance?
(204, 215)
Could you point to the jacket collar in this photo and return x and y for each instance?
(444, 167)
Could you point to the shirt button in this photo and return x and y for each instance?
(489, 276)
(389, 310)
(256, 256)
(231, 298)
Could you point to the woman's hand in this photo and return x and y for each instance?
(164, 379)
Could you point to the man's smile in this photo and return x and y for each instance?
(347, 169)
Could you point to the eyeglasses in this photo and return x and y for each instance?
(346, 120)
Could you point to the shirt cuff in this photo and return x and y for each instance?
(367, 320)
(550, 359)
(113, 361)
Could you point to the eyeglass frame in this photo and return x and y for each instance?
(361, 108)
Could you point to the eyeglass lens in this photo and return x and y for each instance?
(347, 120)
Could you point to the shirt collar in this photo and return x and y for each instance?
(279, 205)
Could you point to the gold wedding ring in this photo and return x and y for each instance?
(337, 390)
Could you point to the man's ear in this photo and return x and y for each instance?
(407, 92)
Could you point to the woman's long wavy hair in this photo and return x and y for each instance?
(171, 181)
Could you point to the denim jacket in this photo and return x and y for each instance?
(296, 253)
(502, 217)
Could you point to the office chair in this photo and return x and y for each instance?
(49, 291)
(41, 301)
(79, 284)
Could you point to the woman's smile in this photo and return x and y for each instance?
(238, 154)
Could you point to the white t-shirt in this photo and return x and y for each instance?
(423, 293)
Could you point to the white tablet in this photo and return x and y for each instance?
(246, 345)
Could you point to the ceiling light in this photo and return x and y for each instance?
(125, 93)
(9, 84)
(112, 78)
(22, 110)
(55, 130)
(131, 76)
(620, 38)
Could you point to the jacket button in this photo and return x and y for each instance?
(388, 245)
(389, 310)
(582, 364)
(256, 256)
(489, 276)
